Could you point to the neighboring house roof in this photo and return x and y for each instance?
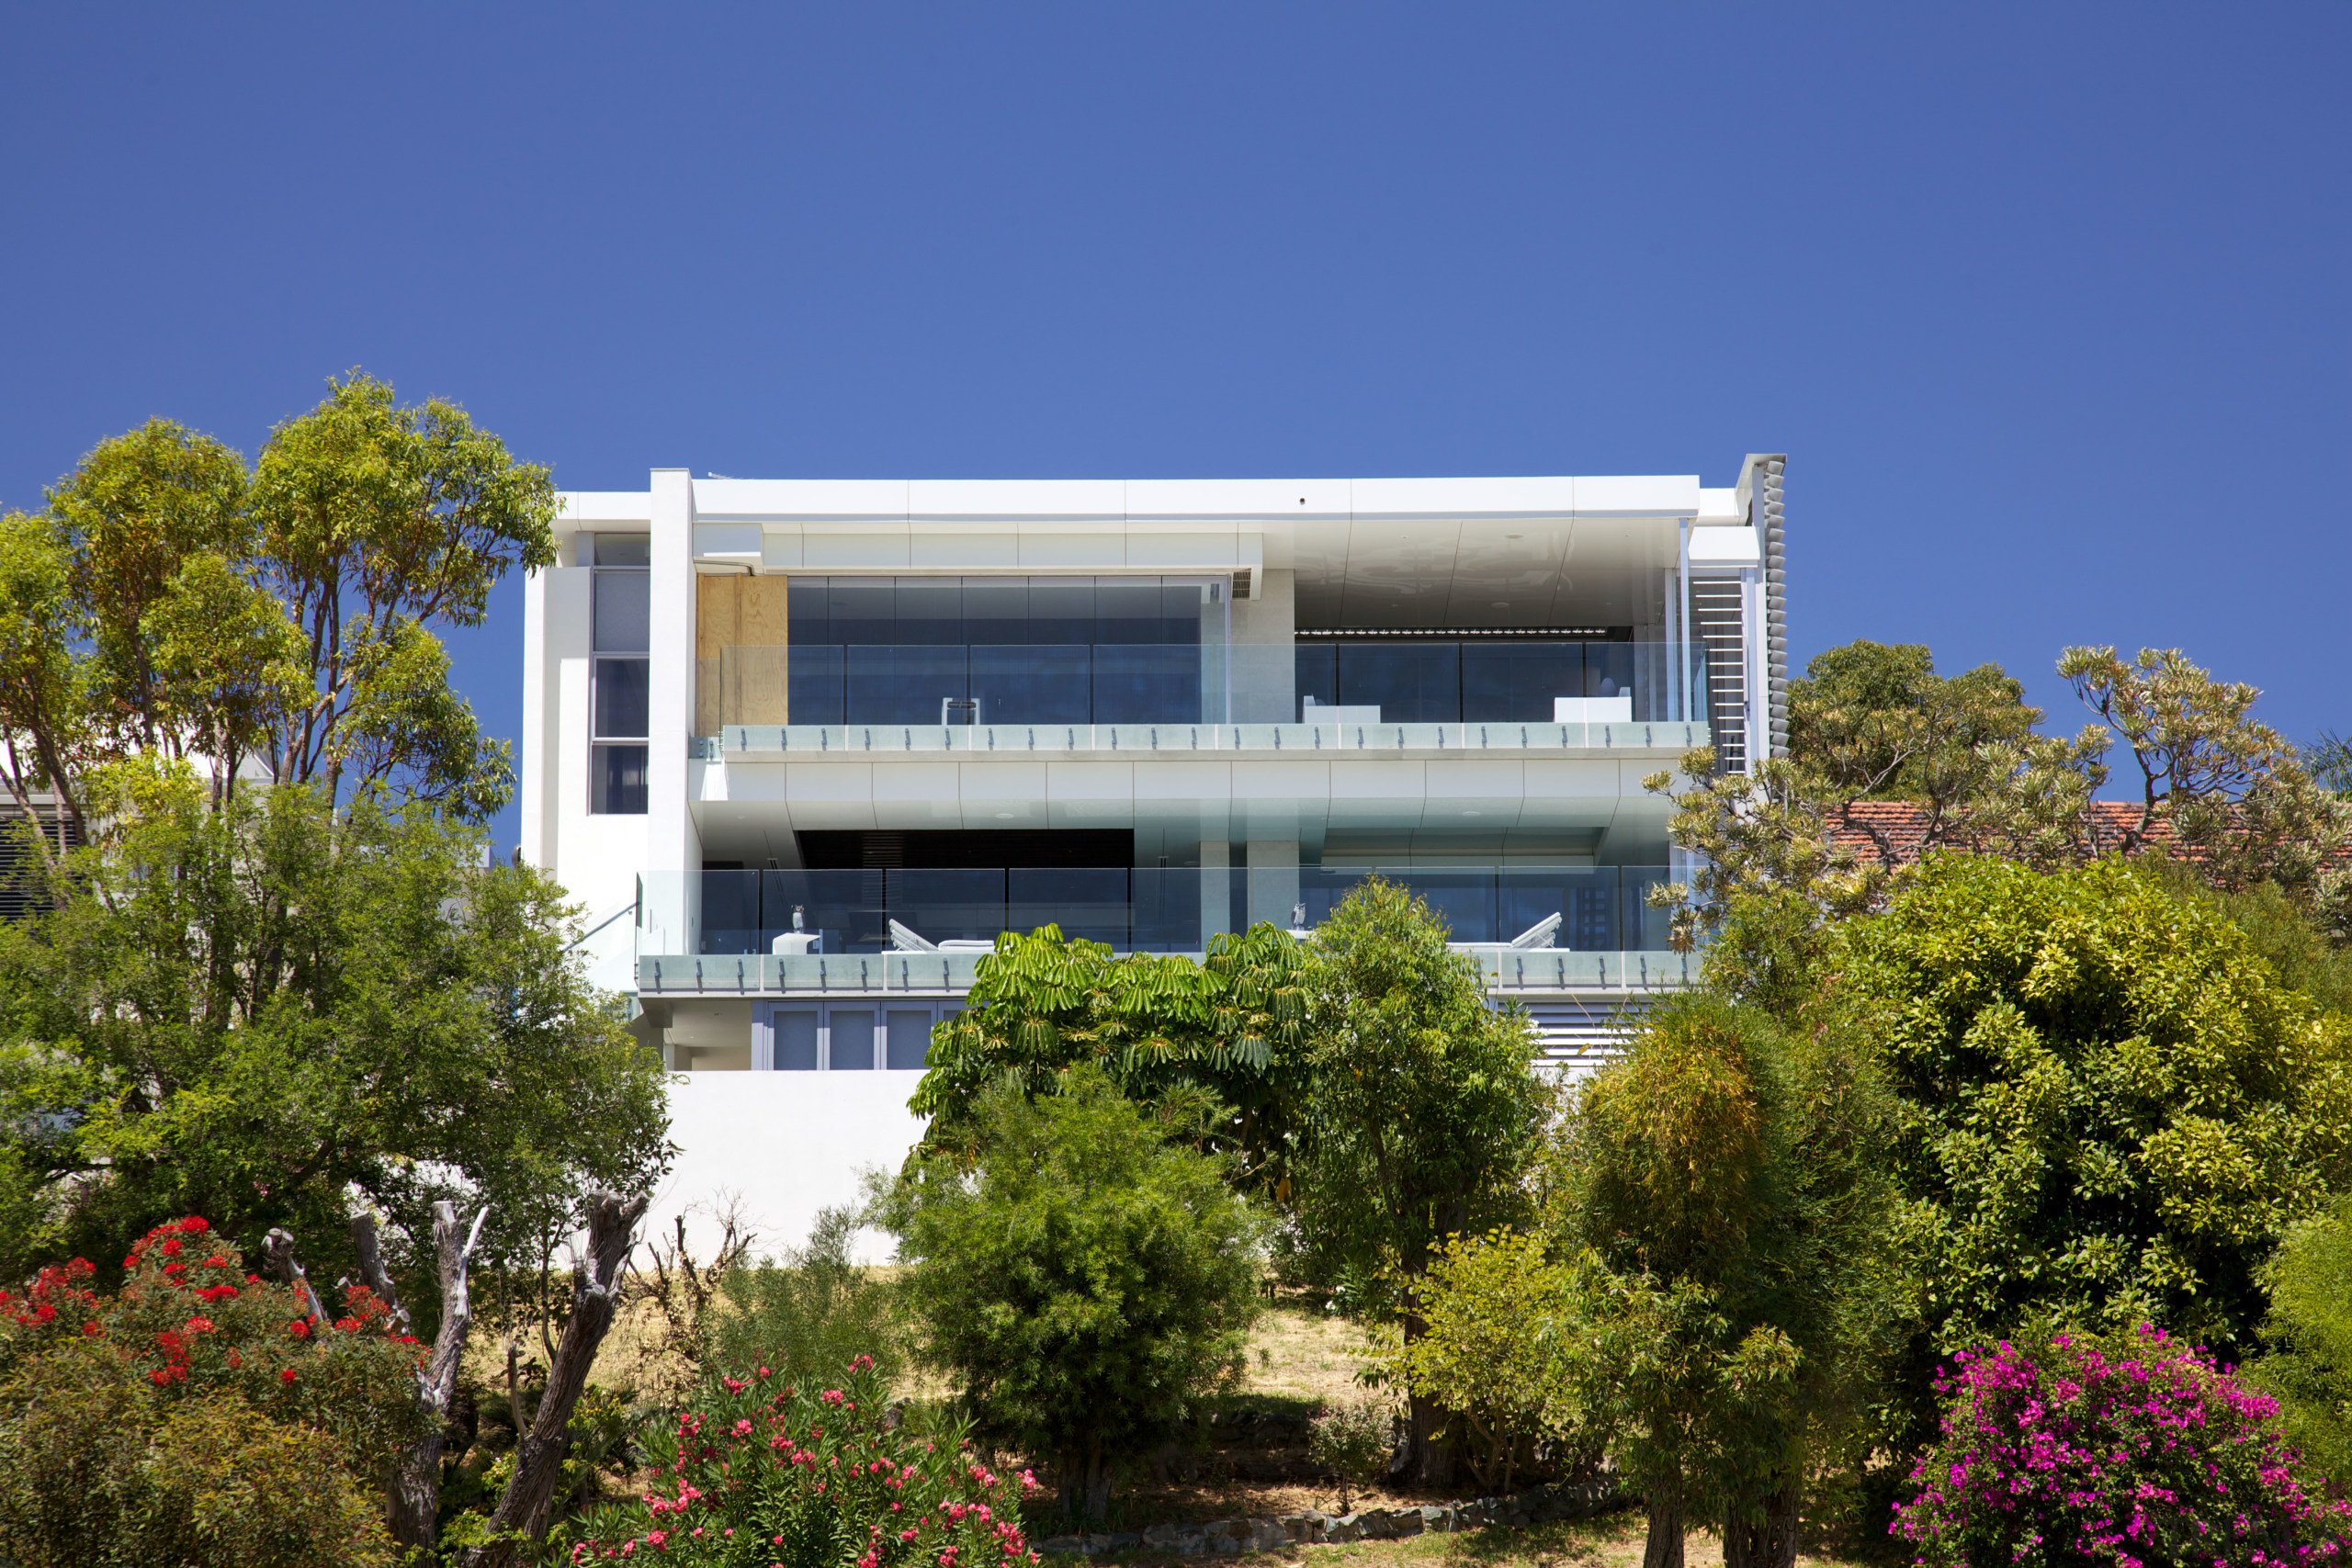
(1903, 827)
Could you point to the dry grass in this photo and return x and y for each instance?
(1298, 1354)
(1612, 1541)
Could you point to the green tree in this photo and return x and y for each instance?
(2235, 796)
(1725, 1174)
(262, 1011)
(1502, 1348)
(2308, 1364)
(2111, 1108)
(1087, 1275)
(1229, 1029)
(1423, 1112)
(172, 603)
(1869, 724)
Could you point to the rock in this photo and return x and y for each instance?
(1065, 1543)
(1309, 1525)
(1347, 1526)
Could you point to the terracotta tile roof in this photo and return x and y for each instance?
(1903, 825)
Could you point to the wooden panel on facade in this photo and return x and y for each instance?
(741, 652)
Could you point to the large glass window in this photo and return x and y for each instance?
(620, 720)
(1005, 649)
(1478, 681)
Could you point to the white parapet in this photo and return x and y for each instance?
(781, 1146)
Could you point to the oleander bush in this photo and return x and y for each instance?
(2136, 1451)
(197, 1415)
(766, 1472)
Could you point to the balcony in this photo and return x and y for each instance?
(720, 929)
(802, 742)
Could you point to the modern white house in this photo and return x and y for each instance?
(802, 749)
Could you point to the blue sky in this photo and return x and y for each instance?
(2050, 305)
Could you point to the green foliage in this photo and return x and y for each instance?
(2231, 791)
(171, 604)
(817, 1474)
(810, 1311)
(1723, 1179)
(254, 1011)
(2112, 1108)
(1877, 723)
(1423, 1107)
(2308, 1367)
(2285, 932)
(1226, 1031)
(1350, 1443)
(197, 1416)
(1087, 1276)
(1502, 1348)
(2220, 792)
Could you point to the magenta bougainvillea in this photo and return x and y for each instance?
(766, 1472)
(2142, 1453)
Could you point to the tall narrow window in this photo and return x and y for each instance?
(619, 680)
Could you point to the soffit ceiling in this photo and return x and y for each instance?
(1400, 573)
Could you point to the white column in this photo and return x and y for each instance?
(1216, 888)
(1273, 880)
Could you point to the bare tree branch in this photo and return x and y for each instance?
(595, 1292)
(416, 1478)
(279, 1248)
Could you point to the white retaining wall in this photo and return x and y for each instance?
(786, 1144)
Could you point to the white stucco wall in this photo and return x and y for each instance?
(786, 1145)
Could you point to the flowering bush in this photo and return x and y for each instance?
(199, 1414)
(190, 1319)
(2137, 1453)
(765, 1472)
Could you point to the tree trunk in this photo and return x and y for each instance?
(1085, 1482)
(595, 1294)
(416, 1475)
(1427, 1457)
(1766, 1539)
(1664, 1548)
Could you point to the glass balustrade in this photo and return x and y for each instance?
(1139, 909)
(1371, 680)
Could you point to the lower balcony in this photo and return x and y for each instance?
(754, 930)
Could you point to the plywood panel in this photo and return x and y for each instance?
(715, 615)
(760, 611)
(708, 707)
(754, 685)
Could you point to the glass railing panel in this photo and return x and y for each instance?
(943, 905)
(727, 916)
(1085, 902)
(1165, 910)
(1147, 683)
(1033, 683)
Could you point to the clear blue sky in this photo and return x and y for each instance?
(2050, 305)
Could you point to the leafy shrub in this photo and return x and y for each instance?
(1088, 1277)
(1350, 1443)
(766, 1472)
(810, 1312)
(2113, 1109)
(1498, 1347)
(2134, 1451)
(2308, 1369)
(197, 1415)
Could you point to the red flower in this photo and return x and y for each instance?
(348, 1325)
(172, 1247)
(92, 1329)
(216, 1261)
(194, 1224)
(199, 1325)
(285, 1374)
(298, 1329)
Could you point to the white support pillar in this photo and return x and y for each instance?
(1273, 880)
(1216, 889)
